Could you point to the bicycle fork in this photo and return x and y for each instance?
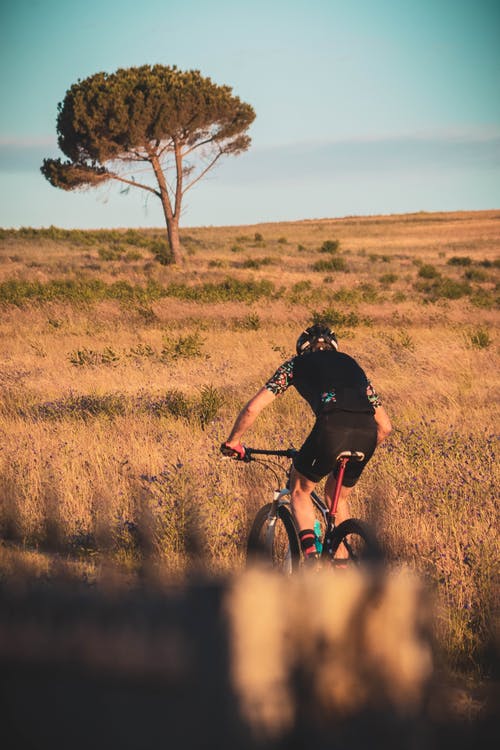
(278, 499)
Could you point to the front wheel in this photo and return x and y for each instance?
(273, 539)
(355, 543)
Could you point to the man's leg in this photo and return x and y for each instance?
(303, 511)
(342, 508)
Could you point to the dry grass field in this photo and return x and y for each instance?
(121, 375)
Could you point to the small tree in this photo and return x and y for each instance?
(178, 123)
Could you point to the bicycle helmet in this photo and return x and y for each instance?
(316, 334)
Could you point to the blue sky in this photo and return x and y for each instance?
(363, 107)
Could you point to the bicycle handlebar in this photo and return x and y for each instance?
(249, 453)
(285, 453)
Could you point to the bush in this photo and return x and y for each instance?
(87, 406)
(88, 357)
(443, 287)
(475, 274)
(330, 246)
(332, 317)
(161, 251)
(184, 347)
(479, 338)
(108, 253)
(257, 262)
(174, 403)
(251, 322)
(485, 299)
(16, 292)
(490, 263)
(208, 405)
(388, 278)
(459, 260)
(428, 271)
(333, 264)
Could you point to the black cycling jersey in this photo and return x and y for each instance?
(328, 380)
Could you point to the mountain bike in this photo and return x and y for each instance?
(274, 536)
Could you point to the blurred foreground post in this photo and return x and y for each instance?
(222, 664)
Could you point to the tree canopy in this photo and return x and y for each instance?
(178, 123)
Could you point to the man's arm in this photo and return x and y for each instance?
(248, 415)
(384, 426)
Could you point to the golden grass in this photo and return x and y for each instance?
(95, 461)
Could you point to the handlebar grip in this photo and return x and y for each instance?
(226, 450)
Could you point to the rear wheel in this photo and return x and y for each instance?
(357, 540)
(273, 539)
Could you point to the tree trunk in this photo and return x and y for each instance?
(171, 217)
(173, 238)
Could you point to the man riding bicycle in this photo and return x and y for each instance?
(349, 416)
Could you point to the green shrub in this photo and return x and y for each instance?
(485, 299)
(490, 263)
(16, 292)
(257, 262)
(459, 260)
(428, 271)
(403, 340)
(131, 255)
(348, 295)
(333, 264)
(199, 410)
(330, 246)
(388, 278)
(443, 288)
(475, 274)
(399, 297)
(282, 241)
(183, 347)
(90, 358)
(148, 315)
(332, 317)
(110, 253)
(368, 293)
(174, 403)
(479, 338)
(302, 286)
(142, 351)
(85, 238)
(161, 251)
(108, 405)
(251, 322)
(208, 405)
(301, 292)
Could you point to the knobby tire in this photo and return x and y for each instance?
(359, 540)
(282, 550)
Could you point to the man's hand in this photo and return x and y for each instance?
(236, 451)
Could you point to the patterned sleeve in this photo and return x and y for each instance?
(282, 378)
(373, 396)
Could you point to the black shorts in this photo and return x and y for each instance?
(333, 433)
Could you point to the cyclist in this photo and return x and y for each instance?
(349, 416)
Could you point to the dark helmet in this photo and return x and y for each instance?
(316, 334)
